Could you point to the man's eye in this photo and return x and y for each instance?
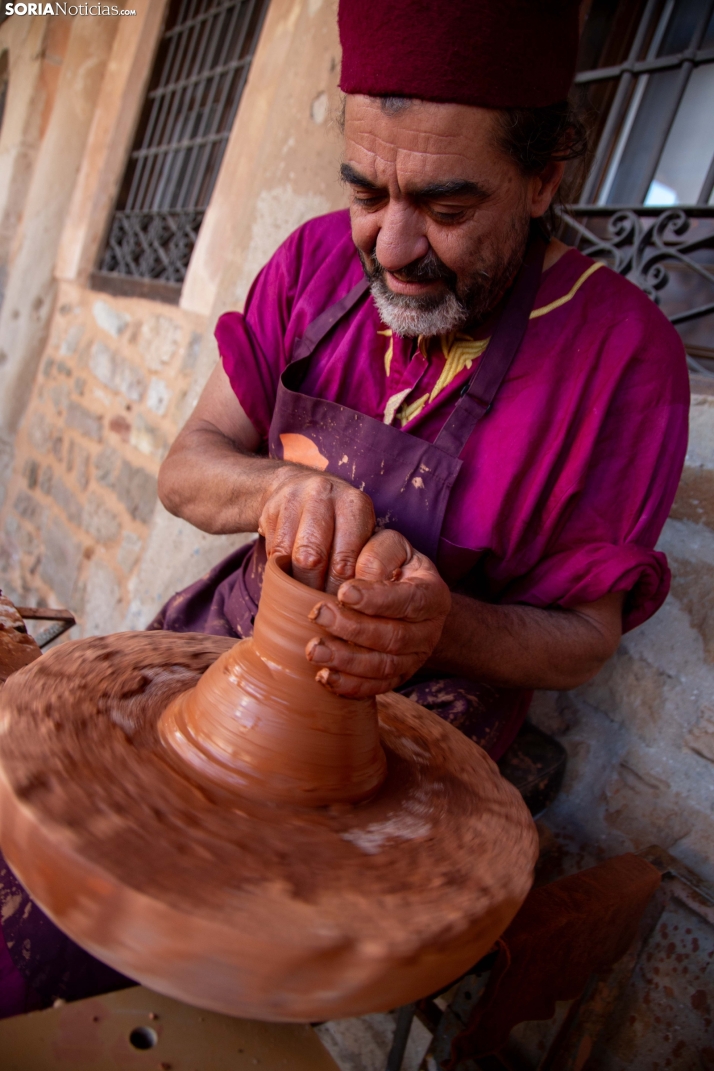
(369, 199)
(446, 213)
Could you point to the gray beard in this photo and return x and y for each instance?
(464, 303)
(411, 317)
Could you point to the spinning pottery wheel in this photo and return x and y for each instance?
(206, 818)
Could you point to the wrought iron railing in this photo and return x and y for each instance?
(667, 252)
(152, 245)
(200, 70)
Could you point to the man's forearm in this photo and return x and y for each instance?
(526, 647)
(211, 482)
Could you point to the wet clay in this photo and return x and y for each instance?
(254, 901)
(259, 723)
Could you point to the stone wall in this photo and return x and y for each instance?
(640, 736)
(107, 402)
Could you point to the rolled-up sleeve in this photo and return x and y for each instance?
(606, 527)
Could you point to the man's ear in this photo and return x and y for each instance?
(544, 187)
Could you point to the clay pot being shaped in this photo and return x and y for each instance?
(204, 817)
(260, 724)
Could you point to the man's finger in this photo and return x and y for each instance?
(313, 539)
(374, 633)
(410, 599)
(354, 687)
(383, 556)
(279, 523)
(359, 661)
(354, 524)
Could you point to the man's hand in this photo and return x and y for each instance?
(388, 621)
(321, 522)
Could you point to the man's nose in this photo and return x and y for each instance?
(401, 239)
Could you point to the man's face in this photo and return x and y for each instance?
(440, 214)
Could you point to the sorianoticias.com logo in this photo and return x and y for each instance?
(66, 9)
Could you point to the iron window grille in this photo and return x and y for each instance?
(646, 75)
(198, 77)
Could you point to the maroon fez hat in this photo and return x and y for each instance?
(494, 53)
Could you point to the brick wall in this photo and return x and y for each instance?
(105, 407)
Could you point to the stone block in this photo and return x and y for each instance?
(158, 396)
(21, 536)
(59, 396)
(64, 369)
(102, 604)
(29, 508)
(693, 587)
(99, 521)
(149, 439)
(83, 355)
(31, 472)
(46, 480)
(71, 340)
(109, 318)
(129, 551)
(85, 422)
(115, 372)
(190, 356)
(121, 427)
(103, 362)
(158, 341)
(58, 447)
(137, 490)
(40, 432)
(48, 367)
(106, 466)
(632, 692)
(79, 386)
(67, 501)
(701, 737)
(78, 462)
(61, 559)
(642, 806)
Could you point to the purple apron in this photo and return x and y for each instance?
(409, 482)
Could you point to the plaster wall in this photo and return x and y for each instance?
(57, 92)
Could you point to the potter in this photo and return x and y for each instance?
(464, 438)
(434, 362)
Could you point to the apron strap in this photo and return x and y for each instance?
(493, 367)
(326, 321)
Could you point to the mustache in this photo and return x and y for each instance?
(426, 269)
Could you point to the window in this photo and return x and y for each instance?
(646, 78)
(647, 70)
(200, 70)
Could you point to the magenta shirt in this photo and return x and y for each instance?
(566, 484)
